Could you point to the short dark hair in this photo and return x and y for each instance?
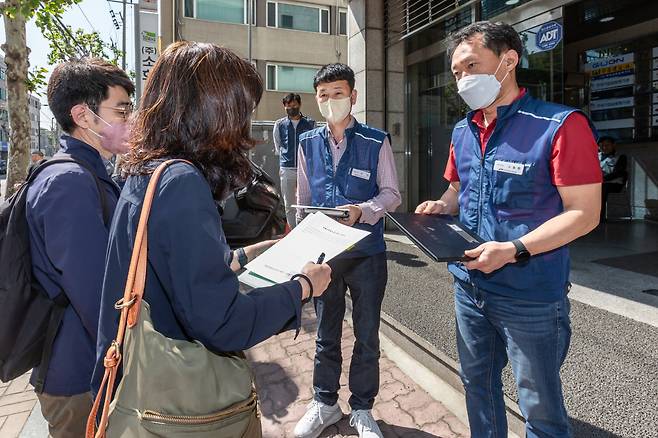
(497, 37)
(607, 138)
(333, 73)
(84, 80)
(289, 98)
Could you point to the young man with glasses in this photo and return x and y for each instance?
(68, 207)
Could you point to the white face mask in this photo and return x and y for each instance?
(481, 90)
(335, 110)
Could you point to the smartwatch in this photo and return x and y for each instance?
(522, 254)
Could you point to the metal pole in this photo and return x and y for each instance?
(249, 16)
(138, 51)
(123, 17)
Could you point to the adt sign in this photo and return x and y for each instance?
(549, 36)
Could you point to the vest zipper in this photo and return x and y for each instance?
(197, 420)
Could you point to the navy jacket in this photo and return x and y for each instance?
(68, 241)
(192, 292)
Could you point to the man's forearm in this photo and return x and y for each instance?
(451, 199)
(559, 231)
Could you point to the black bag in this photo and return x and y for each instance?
(29, 319)
(254, 213)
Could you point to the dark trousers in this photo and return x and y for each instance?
(366, 278)
(606, 189)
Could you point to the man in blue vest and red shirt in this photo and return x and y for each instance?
(523, 175)
(349, 165)
(286, 139)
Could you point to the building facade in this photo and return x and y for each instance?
(597, 55)
(288, 41)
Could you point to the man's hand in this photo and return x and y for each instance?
(432, 207)
(491, 256)
(355, 214)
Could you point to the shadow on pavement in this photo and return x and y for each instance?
(276, 389)
(405, 259)
(581, 429)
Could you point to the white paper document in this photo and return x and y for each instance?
(315, 235)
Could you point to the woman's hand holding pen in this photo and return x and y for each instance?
(318, 276)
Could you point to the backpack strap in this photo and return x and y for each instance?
(129, 306)
(56, 316)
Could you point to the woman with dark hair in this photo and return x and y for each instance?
(196, 106)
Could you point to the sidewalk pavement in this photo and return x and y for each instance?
(283, 367)
(284, 375)
(17, 399)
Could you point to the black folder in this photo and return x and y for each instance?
(442, 237)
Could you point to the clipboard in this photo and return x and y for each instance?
(329, 211)
(442, 237)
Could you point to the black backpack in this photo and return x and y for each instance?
(254, 213)
(29, 318)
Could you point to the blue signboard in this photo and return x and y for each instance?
(548, 36)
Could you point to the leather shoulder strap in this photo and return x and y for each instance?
(129, 307)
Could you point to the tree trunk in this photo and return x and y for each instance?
(16, 53)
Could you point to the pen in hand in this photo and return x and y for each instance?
(320, 259)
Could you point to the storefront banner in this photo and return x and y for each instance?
(654, 110)
(605, 65)
(606, 104)
(655, 62)
(654, 75)
(654, 121)
(655, 52)
(655, 97)
(615, 124)
(610, 82)
(548, 36)
(630, 66)
(148, 26)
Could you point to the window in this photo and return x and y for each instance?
(3, 94)
(226, 11)
(290, 78)
(3, 74)
(298, 17)
(342, 22)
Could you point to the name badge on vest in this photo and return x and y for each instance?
(363, 174)
(509, 167)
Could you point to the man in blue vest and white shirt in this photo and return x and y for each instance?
(348, 165)
(286, 139)
(524, 176)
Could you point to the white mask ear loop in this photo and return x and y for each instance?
(498, 68)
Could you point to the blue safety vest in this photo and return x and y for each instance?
(290, 139)
(508, 192)
(355, 179)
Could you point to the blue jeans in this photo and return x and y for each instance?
(366, 278)
(534, 337)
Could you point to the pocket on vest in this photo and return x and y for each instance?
(357, 189)
(514, 191)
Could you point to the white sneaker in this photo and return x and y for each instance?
(365, 424)
(317, 418)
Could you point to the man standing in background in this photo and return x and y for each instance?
(286, 139)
